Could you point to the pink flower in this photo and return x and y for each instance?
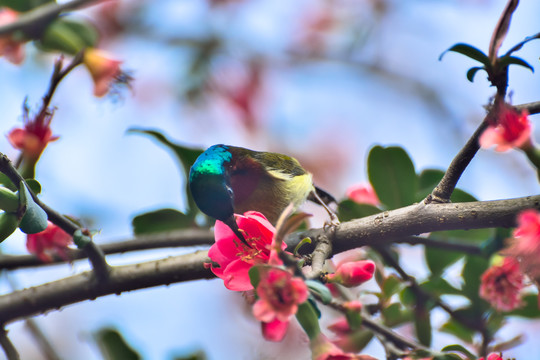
(510, 129)
(103, 68)
(11, 48)
(493, 356)
(525, 245)
(352, 273)
(501, 285)
(324, 349)
(51, 241)
(363, 194)
(234, 258)
(279, 296)
(34, 137)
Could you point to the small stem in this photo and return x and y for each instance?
(7, 345)
(95, 255)
(322, 251)
(458, 247)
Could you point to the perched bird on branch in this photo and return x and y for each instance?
(225, 180)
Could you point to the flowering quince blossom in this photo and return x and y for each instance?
(279, 296)
(234, 258)
(511, 129)
(501, 285)
(104, 69)
(33, 138)
(352, 273)
(11, 48)
(363, 194)
(324, 349)
(346, 338)
(49, 242)
(525, 245)
(493, 356)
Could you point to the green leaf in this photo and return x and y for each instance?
(9, 201)
(428, 179)
(529, 310)
(186, 156)
(395, 315)
(520, 44)
(34, 185)
(438, 259)
(422, 324)
(469, 51)
(254, 276)
(472, 72)
(8, 224)
(23, 5)
(392, 175)
(391, 285)
(162, 220)
(461, 332)
(308, 319)
(461, 349)
(511, 60)
(68, 36)
(113, 346)
(349, 210)
(439, 286)
(472, 271)
(354, 319)
(5, 181)
(81, 240)
(320, 289)
(34, 219)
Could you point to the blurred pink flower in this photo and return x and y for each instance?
(352, 274)
(501, 285)
(279, 296)
(11, 48)
(493, 356)
(104, 69)
(510, 129)
(324, 349)
(33, 138)
(51, 241)
(234, 258)
(363, 194)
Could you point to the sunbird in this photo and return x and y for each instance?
(226, 179)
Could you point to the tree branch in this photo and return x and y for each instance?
(7, 345)
(418, 219)
(182, 238)
(42, 15)
(57, 294)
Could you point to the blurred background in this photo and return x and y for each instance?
(321, 80)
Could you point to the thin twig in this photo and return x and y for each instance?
(7, 345)
(422, 294)
(181, 238)
(95, 255)
(43, 15)
(323, 250)
(446, 245)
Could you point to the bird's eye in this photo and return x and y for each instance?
(230, 191)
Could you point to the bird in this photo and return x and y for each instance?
(227, 179)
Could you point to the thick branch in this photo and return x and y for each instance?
(54, 295)
(421, 218)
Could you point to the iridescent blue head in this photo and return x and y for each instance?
(209, 183)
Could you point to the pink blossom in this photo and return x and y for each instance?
(279, 296)
(51, 241)
(525, 245)
(501, 285)
(324, 349)
(234, 258)
(353, 273)
(510, 129)
(34, 136)
(11, 48)
(104, 69)
(363, 194)
(493, 356)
